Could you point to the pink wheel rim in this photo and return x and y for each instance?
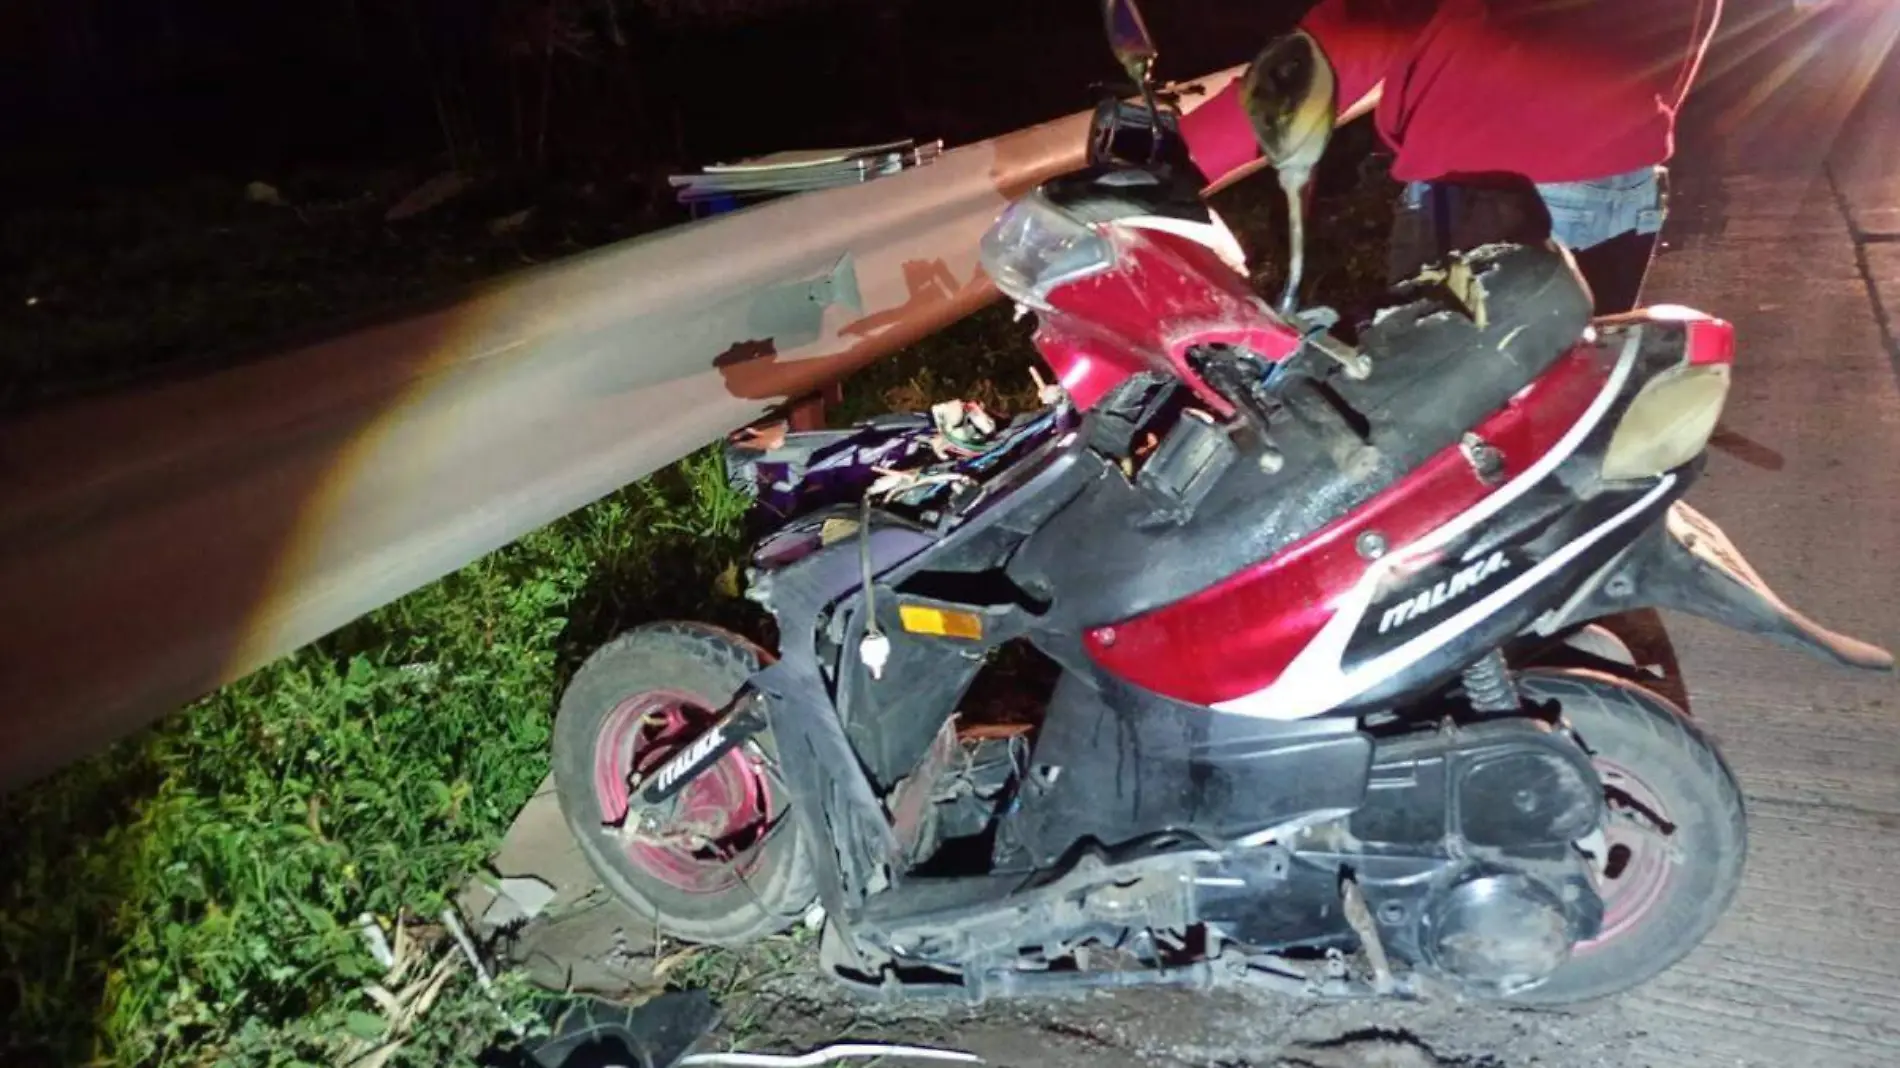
(728, 805)
(1639, 867)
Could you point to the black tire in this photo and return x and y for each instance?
(1649, 737)
(710, 665)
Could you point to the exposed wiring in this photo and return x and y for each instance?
(874, 650)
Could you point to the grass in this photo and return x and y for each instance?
(189, 896)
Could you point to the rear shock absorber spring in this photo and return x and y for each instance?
(1489, 686)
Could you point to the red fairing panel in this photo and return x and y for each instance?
(1089, 369)
(1165, 295)
(1236, 637)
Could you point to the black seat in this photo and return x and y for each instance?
(1517, 307)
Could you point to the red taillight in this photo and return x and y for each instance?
(1710, 340)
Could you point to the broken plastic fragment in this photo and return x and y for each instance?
(378, 943)
(1468, 289)
(1047, 393)
(529, 895)
(835, 530)
(963, 423)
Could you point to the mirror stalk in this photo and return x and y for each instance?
(1293, 183)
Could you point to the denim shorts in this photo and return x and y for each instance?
(1586, 214)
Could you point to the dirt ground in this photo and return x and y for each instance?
(1212, 1030)
(772, 999)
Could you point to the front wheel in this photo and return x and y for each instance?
(732, 865)
(1671, 856)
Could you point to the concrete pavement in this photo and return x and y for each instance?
(1784, 238)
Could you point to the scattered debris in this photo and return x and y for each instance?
(431, 194)
(264, 193)
(378, 1039)
(964, 425)
(378, 942)
(517, 900)
(460, 934)
(672, 961)
(1047, 393)
(655, 1033)
(829, 1055)
(802, 171)
(1466, 287)
(454, 924)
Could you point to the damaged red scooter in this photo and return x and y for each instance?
(1325, 720)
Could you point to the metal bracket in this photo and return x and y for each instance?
(1359, 917)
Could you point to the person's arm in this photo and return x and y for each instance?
(1359, 37)
(1365, 105)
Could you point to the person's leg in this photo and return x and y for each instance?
(1414, 241)
(1615, 270)
(1611, 227)
(1435, 219)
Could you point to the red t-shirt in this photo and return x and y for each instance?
(1554, 90)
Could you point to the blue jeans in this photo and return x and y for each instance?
(1586, 214)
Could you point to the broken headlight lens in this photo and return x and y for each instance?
(1034, 247)
(1668, 423)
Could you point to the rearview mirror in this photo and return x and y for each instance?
(1288, 93)
(1128, 39)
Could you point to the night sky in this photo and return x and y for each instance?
(132, 90)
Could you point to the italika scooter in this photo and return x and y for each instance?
(1334, 715)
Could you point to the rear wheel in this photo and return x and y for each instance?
(731, 865)
(1671, 855)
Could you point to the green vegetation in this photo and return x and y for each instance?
(190, 896)
(194, 890)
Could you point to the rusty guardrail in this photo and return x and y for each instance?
(157, 544)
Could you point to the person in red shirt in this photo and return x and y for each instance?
(1578, 97)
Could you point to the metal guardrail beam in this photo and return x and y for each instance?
(157, 544)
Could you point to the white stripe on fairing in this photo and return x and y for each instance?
(1216, 235)
(1076, 373)
(1389, 664)
(1313, 683)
